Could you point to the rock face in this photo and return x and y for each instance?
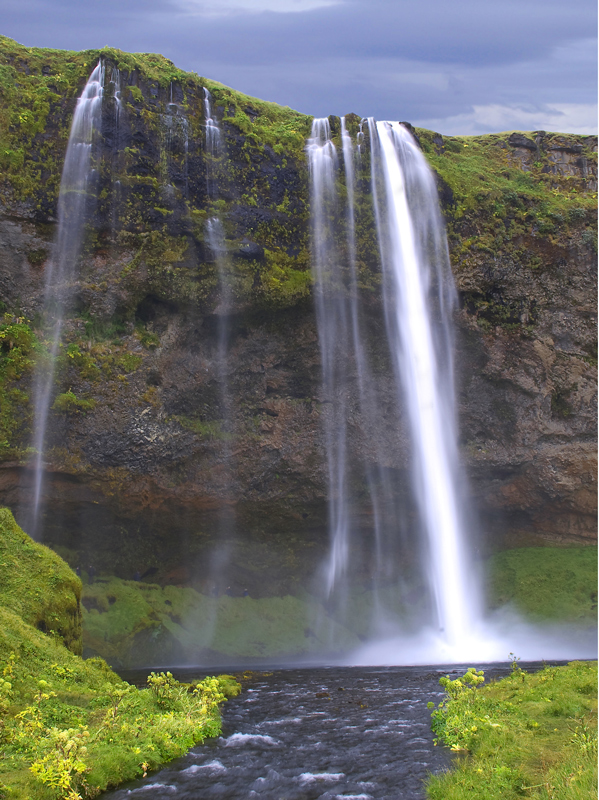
(167, 460)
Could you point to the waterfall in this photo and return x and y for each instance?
(417, 298)
(215, 238)
(332, 310)
(418, 285)
(214, 147)
(115, 80)
(76, 188)
(220, 556)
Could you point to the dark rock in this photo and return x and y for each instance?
(519, 140)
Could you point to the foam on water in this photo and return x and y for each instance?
(239, 739)
(326, 777)
(212, 766)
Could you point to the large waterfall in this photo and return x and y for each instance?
(417, 298)
(77, 191)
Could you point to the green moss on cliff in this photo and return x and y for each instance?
(36, 84)
(37, 585)
(134, 623)
(17, 347)
(269, 124)
(546, 583)
(525, 201)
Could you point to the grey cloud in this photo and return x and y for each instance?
(469, 31)
(388, 58)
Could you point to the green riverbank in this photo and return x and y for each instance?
(528, 735)
(70, 728)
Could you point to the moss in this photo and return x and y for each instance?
(546, 583)
(69, 403)
(65, 718)
(17, 348)
(205, 429)
(37, 585)
(131, 622)
(283, 279)
(487, 190)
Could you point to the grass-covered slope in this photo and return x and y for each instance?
(546, 584)
(528, 735)
(37, 585)
(515, 195)
(70, 728)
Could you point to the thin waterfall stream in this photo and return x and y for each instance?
(76, 193)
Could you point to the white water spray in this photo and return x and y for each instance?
(76, 188)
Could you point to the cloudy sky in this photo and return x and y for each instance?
(461, 67)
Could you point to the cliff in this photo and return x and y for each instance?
(142, 474)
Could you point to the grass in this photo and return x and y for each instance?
(37, 585)
(546, 583)
(132, 622)
(71, 728)
(483, 169)
(17, 348)
(528, 735)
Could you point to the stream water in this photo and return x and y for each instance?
(315, 733)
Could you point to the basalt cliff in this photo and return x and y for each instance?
(143, 477)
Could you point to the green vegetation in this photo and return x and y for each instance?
(266, 123)
(30, 104)
(17, 348)
(512, 203)
(557, 584)
(132, 622)
(37, 585)
(524, 736)
(205, 429)
(484, 169)
(70, 728)
(69, 403)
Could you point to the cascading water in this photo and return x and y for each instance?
(417, 298)
(175, 150)
(333, 328)
(76, 189)
(417, 284)
(215, 238)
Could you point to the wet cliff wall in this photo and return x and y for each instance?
(143, 475)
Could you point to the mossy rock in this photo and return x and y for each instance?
(131, 623)
(557, 584)
(37, 585)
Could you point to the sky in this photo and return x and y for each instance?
(460, 67)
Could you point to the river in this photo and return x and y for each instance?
(315, 733)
